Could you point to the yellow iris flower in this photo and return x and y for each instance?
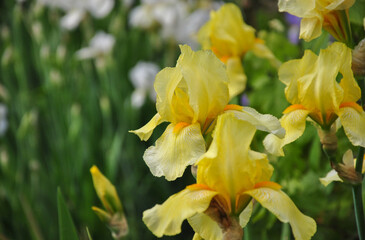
(313, 91)
(190, 96)
(329, 14)
(229, 37)
(229, 175)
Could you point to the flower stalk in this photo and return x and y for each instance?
(357, 189)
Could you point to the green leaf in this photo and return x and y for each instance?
(357, 12)
(66, 226)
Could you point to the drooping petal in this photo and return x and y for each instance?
(330, 177)
(299, 8)
(145, 132)
(206, 82)
(206, 227)
(261, 50)
(179, 146)
(284, 209)
(353, 122)
(237, 77)
(166, 219)
(226, 166)
(263, 122)
(246, 214)
(294, 125)
(310, 28)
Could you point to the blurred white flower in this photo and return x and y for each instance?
(177, 19)
(165, 13)
(142, 76)
(3, 119)
(101, 44)
(76, 9)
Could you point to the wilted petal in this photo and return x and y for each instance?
(179, 146)
(145, 132)
(166, 219)
(284, 209)
(206, 227)
(237, 77)
(353, 122)
(330, 177)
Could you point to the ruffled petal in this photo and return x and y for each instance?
(206, 227)
(166, 219)
(263, 122)
(145, 132)
(310, 28)
(237, 77)
(206, 82)
(284, 209)
(330, 177)
(292, 70)
(228, 165)
(179, 146)
(172, 101)
(353, 122)
(294, 125)
(229, 35)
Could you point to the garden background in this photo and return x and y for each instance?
(63, 110)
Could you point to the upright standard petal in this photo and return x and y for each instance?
(237, 77)
(206, 82)
(179, 146)
(172, 101)
(166, 219)
(228, 161)
(284, 209)
(228, 34)
(293, 70)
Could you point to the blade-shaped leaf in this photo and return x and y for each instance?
(66, 226)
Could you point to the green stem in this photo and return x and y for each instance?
(357, 189)
(359, 210)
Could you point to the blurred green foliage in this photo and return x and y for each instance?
(66, 115)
